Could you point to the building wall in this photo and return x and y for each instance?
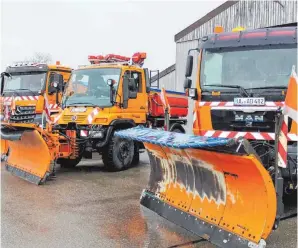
(249, 14)
(167, 78)
(167, 81)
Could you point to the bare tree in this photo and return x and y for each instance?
(41, 58)
(37, 58)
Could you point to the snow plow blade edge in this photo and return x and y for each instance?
(28, 156)
(214, 187)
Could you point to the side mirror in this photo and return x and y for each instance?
(56, 83)
(2, 82)
(132, 87)
(189, 65)
(3, 75)
(111, 83)
(187, 83)
(62, 86)
(125, 92)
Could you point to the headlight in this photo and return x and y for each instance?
(192, 92)
(38, 119)
(96, 134)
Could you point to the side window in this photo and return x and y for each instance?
(137, 76)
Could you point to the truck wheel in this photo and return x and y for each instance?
(68, 163)
(136, 156)
(176, 130)
(118, 154)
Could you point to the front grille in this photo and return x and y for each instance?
(79, 118)
(23, 114)
(229, 120)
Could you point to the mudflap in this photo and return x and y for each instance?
(216, 188)
(29, 156)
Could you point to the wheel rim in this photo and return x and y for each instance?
(176, 131)
(123, 150)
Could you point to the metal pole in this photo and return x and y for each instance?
(167, 120)
(42, 117)
(279, 181)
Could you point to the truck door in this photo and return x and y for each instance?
(55, 86)
(137, 107)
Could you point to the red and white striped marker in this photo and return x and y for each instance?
(21, 98)
(54, 106)
(246, 135)
(46, 109)
(91, 116)
(283, 143)
(231, 104)
(56, 118)
(84, 133)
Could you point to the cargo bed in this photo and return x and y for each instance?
(178, 102)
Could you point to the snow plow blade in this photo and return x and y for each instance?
(28, 156)
(4, 149)
(214, 187)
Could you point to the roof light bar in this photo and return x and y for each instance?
(137, 59)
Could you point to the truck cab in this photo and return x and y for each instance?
(24, 87)
(242, 80)
(111, 94)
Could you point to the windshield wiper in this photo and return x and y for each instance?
(25, 89)
(243, 92)
(12, 91)
(82, 103)
(268, 87)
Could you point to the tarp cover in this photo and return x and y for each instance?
(170, 139)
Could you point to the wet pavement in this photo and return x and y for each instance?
(89, 207)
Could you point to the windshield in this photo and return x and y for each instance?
(249, 67)
(33, 82)
(89, 87)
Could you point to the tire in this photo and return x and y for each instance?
(136, 156)
(68, 163)
(176, 130)
(118, 154)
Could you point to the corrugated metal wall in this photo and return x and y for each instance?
(168, 81)
(249, 14)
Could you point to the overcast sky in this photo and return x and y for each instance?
(72, 30)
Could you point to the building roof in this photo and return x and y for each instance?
(163, 73)
(204, 19)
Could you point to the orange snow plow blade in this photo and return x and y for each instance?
(4, 149)
(29, 156)
(214, 187)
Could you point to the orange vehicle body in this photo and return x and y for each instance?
(13, 98)
(225, 183)
(217, 112)
(99, 99)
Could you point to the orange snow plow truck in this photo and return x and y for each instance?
(23, 88)
(225, 183)
(112, 93)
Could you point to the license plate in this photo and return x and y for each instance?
(249, 101)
